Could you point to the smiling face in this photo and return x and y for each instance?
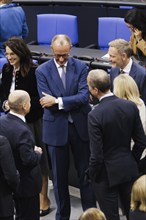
(13, 58)
(116, 58)
(61, 53)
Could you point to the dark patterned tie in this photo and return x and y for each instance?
(63, 76)
(121, 71)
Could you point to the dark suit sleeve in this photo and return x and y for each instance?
(143, 88)
(26, 150)
(7, 164)
(81, 96)
(139, 137)
(96, 147)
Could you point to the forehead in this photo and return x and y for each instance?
(8, 49)
(61, 47)
(113, 51)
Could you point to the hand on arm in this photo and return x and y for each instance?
(47, 100)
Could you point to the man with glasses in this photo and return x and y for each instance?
(62, 85)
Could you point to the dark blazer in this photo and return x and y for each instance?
(112, 124)
(137, 215)
(28, 84)
(75, 99)
(138, 73)
(26, 160)
(9, 178)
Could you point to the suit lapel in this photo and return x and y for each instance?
(69, 76)
(56, 78)
(133, 71)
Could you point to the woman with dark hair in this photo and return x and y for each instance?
(19, 73)
(136, 21)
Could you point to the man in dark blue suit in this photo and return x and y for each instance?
(113, 166)
(26, 155)
(65, 103)
(9, 180)
(120, 57)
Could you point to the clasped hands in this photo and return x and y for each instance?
(47, 100)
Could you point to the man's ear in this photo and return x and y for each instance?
(24, 106)
(124, 56)
(96, 90)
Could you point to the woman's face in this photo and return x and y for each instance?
(131, 27)
(13, 58)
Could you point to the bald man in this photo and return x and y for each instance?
(26, 155)
(112, 166)
(62, 85)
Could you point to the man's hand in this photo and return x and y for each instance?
(47, 100)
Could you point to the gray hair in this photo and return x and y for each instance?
(122, 46)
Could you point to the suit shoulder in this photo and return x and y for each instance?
(44, 65)
(139, 68)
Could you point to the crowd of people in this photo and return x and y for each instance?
(48, 113)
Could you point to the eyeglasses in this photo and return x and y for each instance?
(58, 56)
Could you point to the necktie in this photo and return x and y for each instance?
(121, 71)
(63, 75)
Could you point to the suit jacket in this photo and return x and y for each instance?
(112, 124)
(28, 84)
(138, 73)
(26, 160)
(75, 100)
(9, 178)
(137, 215)
(13, 23)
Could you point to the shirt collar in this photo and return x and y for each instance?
(128, 67)
(106, 95)
(58, 66)
(2, 5)
(18, 115)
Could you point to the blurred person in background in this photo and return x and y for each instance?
(136, 21)
(12, 23)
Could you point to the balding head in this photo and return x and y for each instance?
(19, 102)
(61, 45)
(61, 40)
(99, 79)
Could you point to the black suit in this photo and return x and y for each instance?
(138, 73)
(112, 124)
(9, 179)
(27, 163)
(137, 215)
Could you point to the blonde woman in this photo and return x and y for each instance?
(92, 214)
(138, 199)
(126, 88)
